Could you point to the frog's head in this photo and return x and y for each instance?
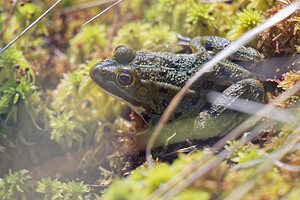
(120, 78)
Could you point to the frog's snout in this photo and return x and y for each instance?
(93, 71)
(98, 73)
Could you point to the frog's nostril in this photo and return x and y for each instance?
(124, 54)
(102, 72)
(96, 73)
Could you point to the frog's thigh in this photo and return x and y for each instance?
(218, 120)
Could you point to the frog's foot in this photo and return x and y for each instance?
(219, 119)
(216, 44)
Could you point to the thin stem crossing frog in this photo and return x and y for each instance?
(147, 82)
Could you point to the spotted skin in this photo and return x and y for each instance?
(148, 81)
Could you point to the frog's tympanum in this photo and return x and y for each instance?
(147, 82)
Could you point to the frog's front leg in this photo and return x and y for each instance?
(218, 119)
(216, 44)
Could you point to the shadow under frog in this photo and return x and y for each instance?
(147, 82)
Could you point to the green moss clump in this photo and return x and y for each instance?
(51, 189)
(260, 4)
(247, 20)
(200, 18)
(16, 86)
(133, 35)
(92, 38)
(15, 185)
(144, 181)
(19, 186)
(78, 105)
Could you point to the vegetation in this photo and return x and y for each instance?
(62, 137)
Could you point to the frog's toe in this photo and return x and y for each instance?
(203, 126)
(209, 125)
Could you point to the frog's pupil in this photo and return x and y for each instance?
(125, 78)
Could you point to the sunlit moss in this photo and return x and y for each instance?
(133, 35)
(80, 110)
(136, 7)
(289, 79)
(159, 35)
(260, 4)
(247, 20)
(168, 12)
(66, 129)
(91, 38)
(193, 194)
(144, 181)
(27, 14)
(200, 18)
(11, 61)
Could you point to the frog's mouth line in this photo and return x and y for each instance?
(134, 105)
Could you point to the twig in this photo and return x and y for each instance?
(29, 27)
(106, 9)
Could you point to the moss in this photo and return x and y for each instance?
(91, 38)
(15, 185)
(200, 19)
(247, 20)
(144, 181)
(49, 106)
(133, 35)
(49, 188)
(261, 4)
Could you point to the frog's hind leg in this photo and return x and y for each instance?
(216, 44)
(218, 119)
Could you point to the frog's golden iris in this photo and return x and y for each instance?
(125, 78)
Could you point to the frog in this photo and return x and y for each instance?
(147, 81)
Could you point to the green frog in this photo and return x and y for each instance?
(147, 82)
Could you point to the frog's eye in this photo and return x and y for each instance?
(123, 54)
(125, 78)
